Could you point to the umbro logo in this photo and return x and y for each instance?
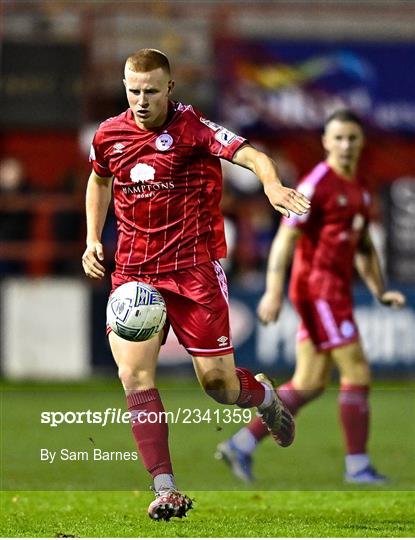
(223, 340)
(118, 148)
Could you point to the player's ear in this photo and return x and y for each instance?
(170, 86)
(125, 83)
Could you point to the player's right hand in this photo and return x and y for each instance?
(393, 299)
(269, 308)
(90, 260)
(287, 200)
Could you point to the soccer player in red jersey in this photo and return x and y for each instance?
(160, 161)
(327, 243)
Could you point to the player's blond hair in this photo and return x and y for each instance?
(145, 60)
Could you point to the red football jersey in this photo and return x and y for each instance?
(167, 188)
(324, 255)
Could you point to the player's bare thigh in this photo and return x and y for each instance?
(352, 364)
(217, 376)
(136, 361)
(312, 369)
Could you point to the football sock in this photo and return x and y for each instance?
(151, 436)
(354, 417)
(245, 441)
(164, 482)
(293, 400)
(356, 463)
(252, 392)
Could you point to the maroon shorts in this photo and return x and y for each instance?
(328, 324)
(197, 306)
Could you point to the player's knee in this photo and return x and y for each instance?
(360, 375)
(134, 379)
(355, 370)
(219, 387)
(312, 387)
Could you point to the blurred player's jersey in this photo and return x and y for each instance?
(167, 188)
(324, 256)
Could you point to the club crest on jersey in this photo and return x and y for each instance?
(164, 142)
(142, 172)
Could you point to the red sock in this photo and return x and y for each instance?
(354, 416)
(293, 399)
(151, 437)
(252, 392)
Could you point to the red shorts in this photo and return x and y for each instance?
(197, 306)
(328, 324)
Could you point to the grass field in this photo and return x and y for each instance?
(299, 491)
(216, 514)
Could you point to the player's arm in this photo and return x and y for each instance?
(368, 266)
(279, 259)
(282, 198)
(98, 198)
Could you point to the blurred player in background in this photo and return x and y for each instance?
(160, 160)
(326, 243)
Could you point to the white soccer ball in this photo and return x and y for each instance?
(136, 311)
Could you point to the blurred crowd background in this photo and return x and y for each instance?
(269, 70)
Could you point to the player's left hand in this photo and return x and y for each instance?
(286, 199)
(394, 299)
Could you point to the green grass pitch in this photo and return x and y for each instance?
(299, 490)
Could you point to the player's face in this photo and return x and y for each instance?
(148, 95)
(343, 142)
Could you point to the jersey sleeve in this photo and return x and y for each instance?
(216, 139)
(97, 156)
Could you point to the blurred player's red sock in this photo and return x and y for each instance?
(293, 399)
(354, 416)
(252, 392)
(151, 437)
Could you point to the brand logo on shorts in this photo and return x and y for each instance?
(347, 329)
(164, 142)
(223, 341)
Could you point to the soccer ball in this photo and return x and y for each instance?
(136, 311)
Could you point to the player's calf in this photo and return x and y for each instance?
(220, 386)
